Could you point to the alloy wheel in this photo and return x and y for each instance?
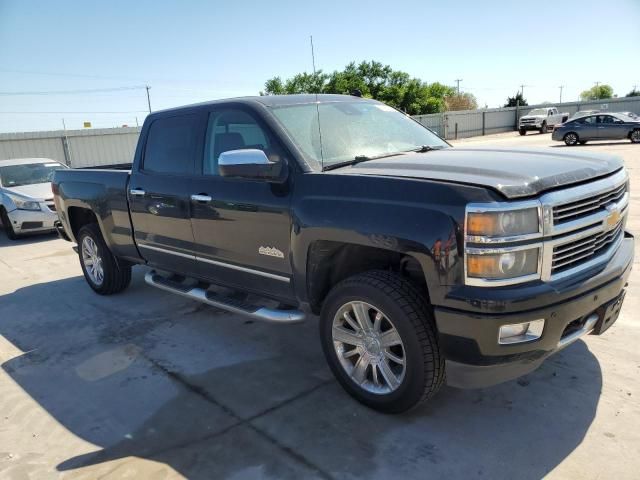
(92, 260)
(571, 139)
(369, 347)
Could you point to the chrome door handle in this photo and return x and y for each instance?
(137, 192)
(201, 198)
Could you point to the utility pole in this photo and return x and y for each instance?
(561, 87)
(597, 92)
(147, 87)
(522, 90)
(458, 80)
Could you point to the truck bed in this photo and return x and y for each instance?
(103, 192)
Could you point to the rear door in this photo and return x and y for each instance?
(242, 227)
(585, 127)
(159, 192)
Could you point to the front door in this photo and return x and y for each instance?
(159, 192)
(242, 228)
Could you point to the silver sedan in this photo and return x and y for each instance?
(26, 200)
(603, 126)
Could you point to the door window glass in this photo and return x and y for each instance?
(172, 144)
(234, 129)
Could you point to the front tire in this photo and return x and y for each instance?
(571, 139)
(522, 131)
(6, 223)
(543, 128)
(635, 136)
(379, 338)
(102, 271)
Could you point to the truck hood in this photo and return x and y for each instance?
(37, 191)
(513, 172)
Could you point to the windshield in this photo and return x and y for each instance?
(28, 174)
(538, 111)
(352, 129)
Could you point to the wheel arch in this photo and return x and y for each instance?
(329, 262)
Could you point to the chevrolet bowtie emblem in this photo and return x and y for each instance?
(612, 220)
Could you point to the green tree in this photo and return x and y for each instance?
(517, 99)
(597, 92)
(374, 80)
(633, 93)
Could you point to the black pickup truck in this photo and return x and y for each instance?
(425, 263)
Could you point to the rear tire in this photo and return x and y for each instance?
(543, 128)
(369, 310)
(522, 131)
(102, 271)
(635, 136)
(571, 139)
(6, 224)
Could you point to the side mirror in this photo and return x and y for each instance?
(251, 164)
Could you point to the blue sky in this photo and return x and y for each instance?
(194, 51)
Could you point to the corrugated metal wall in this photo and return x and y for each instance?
(469, 123)
(77, 148)
(114, 146)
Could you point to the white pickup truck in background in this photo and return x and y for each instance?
(541, 119)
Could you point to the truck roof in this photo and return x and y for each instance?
(277, 100)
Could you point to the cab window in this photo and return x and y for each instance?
(235, 129)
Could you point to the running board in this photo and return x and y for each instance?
(216, 300)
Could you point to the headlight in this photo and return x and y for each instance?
(502, 243)
(504, 265)
(22, 204)
(508, 223)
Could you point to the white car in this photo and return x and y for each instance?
(26, 199)
(541, 120)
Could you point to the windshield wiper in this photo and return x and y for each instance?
(364, 158)
(425, 148)
(359, 159)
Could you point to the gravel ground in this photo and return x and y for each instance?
(149, 385)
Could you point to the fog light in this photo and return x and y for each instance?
(520, 332)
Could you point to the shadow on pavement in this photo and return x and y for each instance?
(144, 374)
(26, 239)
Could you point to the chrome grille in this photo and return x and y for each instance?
(569, 254)
(587, 206)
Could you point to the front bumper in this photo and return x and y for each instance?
(469, 340)
(32, 221)
(530, 126)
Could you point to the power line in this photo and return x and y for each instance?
(61, 74)
(75, 92)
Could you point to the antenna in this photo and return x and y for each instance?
(313, 62)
